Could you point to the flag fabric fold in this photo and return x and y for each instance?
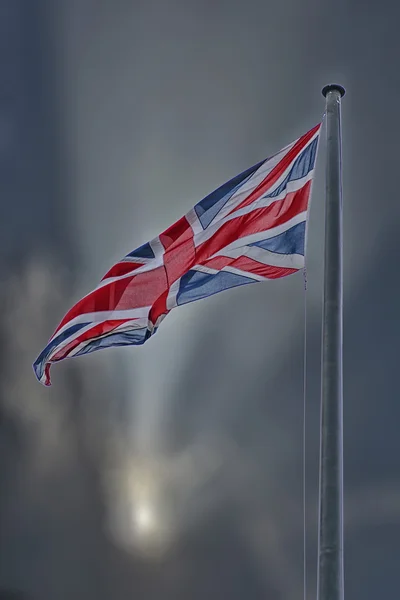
(250, 229)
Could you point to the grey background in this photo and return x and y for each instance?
(117, 116)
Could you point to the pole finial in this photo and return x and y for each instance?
(332, 87)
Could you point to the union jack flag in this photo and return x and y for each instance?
(250, 229)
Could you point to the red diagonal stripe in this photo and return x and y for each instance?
(94, 332)
(122, 268)
(244, 263)
(274, 175)
(260, 219)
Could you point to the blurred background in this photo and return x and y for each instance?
(175, 469)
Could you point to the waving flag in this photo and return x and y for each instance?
(250, 229)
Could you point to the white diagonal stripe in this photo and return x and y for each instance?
(105, 315)
(266, 257)
(244, 273)
(265, 235)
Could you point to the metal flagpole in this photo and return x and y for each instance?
(330, 554)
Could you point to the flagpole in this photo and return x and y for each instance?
(330, 555)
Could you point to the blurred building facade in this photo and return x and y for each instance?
(50, 498)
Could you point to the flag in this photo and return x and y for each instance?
(250, 229)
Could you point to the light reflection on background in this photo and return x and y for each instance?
(157, 499)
